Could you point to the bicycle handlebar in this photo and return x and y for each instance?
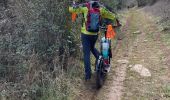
(114, 26)
(102, 27)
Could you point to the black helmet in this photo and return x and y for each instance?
(92, 0)
(95, 3)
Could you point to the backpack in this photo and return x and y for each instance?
(93, 18)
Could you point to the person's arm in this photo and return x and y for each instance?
(77, 10)
(107, 14)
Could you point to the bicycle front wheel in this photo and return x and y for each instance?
(99, 75)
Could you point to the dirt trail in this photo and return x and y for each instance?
(140, 46)
(148, 50)
(115, 78)
(113, 89)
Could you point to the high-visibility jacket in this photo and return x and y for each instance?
(103, 11)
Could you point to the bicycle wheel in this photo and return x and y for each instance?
(99, 74)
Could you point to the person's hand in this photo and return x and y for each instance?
(118, 23)
(74, 4)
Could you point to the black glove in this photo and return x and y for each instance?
(118, 23)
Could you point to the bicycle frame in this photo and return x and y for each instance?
(102, 63)
(106, 61)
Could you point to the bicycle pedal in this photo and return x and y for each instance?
(107, 69)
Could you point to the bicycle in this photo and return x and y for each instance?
(104, 59)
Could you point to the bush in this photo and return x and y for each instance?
(36, 42)
(142, 3)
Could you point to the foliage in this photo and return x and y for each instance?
(145, 2)
(114, 5)
(36, 42)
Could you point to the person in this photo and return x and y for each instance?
(89, 38)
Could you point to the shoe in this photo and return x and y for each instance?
(87, 82)
(97, 62)
(90, 84)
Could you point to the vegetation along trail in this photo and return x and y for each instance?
(41, 54)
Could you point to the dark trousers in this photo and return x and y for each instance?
(88, 42)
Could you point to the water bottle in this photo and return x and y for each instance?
(105, 47)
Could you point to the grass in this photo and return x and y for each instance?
(166, 90)
(65, 86)
(166, 38)
(148, 54)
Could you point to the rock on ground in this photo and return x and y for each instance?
(141, 70)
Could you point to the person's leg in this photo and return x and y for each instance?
(93, 49)
(92, 46)
(86, 51)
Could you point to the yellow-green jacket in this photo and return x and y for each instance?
(103, 11)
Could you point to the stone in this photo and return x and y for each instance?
(137, 32)
(123, 61)
(141, 70)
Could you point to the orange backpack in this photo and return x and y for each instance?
(110, 32)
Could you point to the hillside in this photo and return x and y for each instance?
(41, 52)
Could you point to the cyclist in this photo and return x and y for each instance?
(89, 38)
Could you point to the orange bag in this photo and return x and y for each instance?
(73, 17)
(110, 32)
